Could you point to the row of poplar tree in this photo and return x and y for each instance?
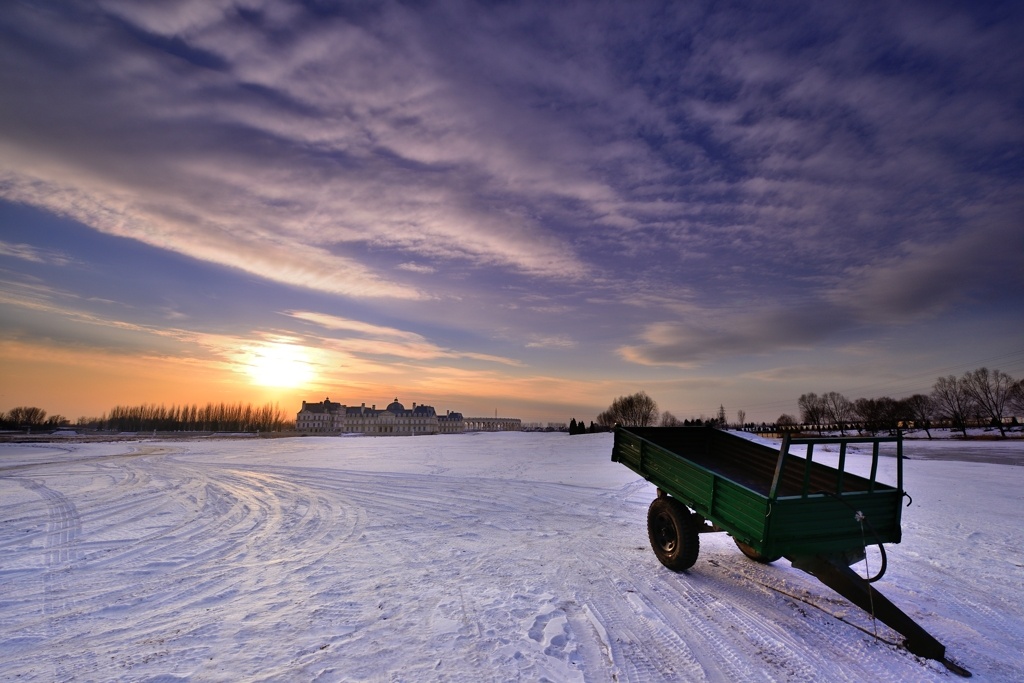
(212, 417)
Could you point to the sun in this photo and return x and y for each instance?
(279, 365)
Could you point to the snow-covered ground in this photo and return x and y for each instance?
(476, 557)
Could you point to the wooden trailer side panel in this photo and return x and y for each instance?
(740, 511)
(733, 507)
(683, 479)
(825, 524)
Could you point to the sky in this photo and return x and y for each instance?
(516, 208)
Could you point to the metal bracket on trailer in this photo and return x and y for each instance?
(834, 573)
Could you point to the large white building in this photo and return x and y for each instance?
(327, 417)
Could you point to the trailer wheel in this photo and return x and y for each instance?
(753, 554)
(673, 532)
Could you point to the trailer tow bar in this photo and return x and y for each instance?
(834, 573)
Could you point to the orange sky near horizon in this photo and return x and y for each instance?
(88, 383)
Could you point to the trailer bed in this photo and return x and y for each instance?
(745, 462)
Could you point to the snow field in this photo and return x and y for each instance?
(485, 557)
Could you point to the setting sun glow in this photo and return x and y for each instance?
(279, 365)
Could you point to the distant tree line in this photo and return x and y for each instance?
(582, 428)
(980, 397)
(640, 410)
(30, 417)
(219, 417)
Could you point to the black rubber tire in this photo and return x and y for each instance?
(673, 532)
(753, 554)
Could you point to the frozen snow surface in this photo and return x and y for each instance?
(475, 557)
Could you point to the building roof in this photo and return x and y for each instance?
(325, 406)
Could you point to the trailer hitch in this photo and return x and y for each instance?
(833, 571)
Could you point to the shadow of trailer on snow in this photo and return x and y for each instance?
(774, 504)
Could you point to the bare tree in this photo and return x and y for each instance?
(837, 409)
(636, 410)
(27, 416)
(920, 408)
(786, 420)
(741, 418)
(640, 410)
(952, 400)
(1016, 401)
(891, 412)
(990, 391)
(669, 420)
(812, 409)
(866, 410)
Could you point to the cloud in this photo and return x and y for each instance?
(921, 279)
(181, 230)
(417, 268)
(713, 336)
(27, 252)
(552, 342)
(290, 155)
(319, 141)
(371, 340)
(898, 287)
(333, 322)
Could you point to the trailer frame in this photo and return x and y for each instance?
(775, 504)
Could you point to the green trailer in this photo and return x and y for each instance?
(774, 504)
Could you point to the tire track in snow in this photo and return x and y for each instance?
(63, 527)
(643, 648)
(787, 635)
(727, 614)
(724, 626)
(492, 525)
(403, 506)
(652, 599)
(635, 609)
(184, 541)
